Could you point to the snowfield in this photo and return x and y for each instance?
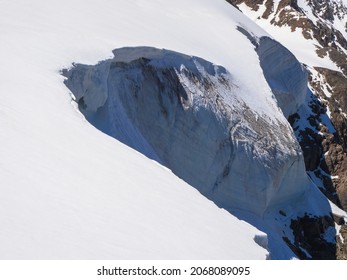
(68, 191)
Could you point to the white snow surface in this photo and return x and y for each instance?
(69, 191)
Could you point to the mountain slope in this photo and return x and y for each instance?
(200, 121)
(315, 31)
(69, 191)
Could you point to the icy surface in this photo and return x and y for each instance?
(285, 75)
(69, 191)
(189, 115)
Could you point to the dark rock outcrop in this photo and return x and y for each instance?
(310, 240)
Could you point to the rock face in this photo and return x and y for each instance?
(185, 113)
(308, 242)
(341, 243)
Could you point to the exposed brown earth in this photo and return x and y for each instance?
(341, 248)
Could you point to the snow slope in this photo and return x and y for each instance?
(68, 191)
(315, 31)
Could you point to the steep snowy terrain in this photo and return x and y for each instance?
(194, 117)
(70, 191)
(315, 31)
